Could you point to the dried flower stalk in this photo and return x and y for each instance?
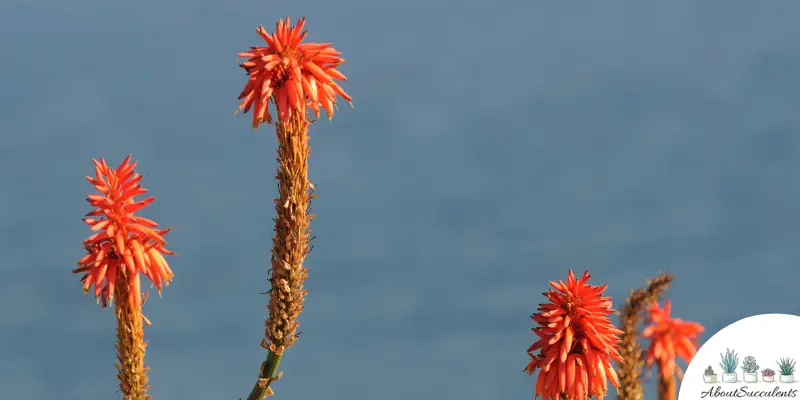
(630, 372)
(131, 371)
(290, 247)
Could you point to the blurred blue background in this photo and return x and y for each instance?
(493, 147)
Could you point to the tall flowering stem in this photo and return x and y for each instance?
(131, 371)
(293, 76)
(577, 342)
(670, 338)
(630, 372)
(123, 246)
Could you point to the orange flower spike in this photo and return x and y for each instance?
(670, 338)
(577, 341)
(123, 240)
(290, 74)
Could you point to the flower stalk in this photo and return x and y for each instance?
(131, 370)
(667, 387)
(670, 338)
(123, 246)
(630, 372)
(290, 248)
(293, 76)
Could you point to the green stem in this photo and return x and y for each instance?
(269, 372)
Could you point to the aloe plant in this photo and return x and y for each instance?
(729, 361)
(786, 366)
(709, 371)
(749, 365)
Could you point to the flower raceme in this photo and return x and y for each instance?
(292, 74)
(670, 337)
(577, 341)
(123, 241)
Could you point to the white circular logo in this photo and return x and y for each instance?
(751, 358)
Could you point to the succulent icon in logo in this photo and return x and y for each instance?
(729, 362)
(709, 376)
(786, 366)
(768, 375)
(750, 369)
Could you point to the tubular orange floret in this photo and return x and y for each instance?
(577, 341)
(122, 239)
(670, 338)
(291, 74)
